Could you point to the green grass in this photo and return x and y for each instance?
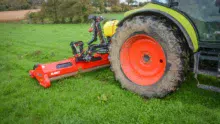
(93, 97)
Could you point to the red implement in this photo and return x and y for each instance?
(45, 73)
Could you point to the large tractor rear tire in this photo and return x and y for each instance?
(148, 57)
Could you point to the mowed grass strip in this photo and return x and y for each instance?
(93, 97)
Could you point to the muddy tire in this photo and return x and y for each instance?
(173, 47)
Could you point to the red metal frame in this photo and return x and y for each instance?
(45, 73)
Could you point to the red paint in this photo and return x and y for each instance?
(44, 72)
(90, 29)
(133, 64)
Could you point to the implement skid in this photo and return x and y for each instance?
(45, 73)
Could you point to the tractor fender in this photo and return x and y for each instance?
(184, 24)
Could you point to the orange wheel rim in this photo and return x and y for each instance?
(142, 60)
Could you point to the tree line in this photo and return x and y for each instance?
(7, 5)
(74, 11)
(65, 11)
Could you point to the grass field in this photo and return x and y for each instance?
(93, 97)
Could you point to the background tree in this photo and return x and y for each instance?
(14, 5)
(35, 3)
(62, 11)
(116, 9)
(129, 1)
(142, 4)
(125, 7)
(66, 10)
(114, 2)
(99, 4)
(3, 5)
(82, 10)
(51, 8)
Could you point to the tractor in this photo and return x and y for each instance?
(151, 50)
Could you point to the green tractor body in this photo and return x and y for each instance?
(183, 28)
(198, 20)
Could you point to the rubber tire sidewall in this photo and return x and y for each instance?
(171, 45)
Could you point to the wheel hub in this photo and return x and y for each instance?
(142, 60)
(146, 58)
